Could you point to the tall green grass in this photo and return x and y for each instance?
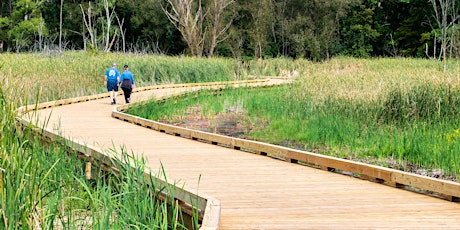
(405, 116)
(74, 74)
(43, 186)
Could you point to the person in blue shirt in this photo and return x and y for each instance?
(127, 83)
(111, 80)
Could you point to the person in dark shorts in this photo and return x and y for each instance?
(111, 80)
(127, 83)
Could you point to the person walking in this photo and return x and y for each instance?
(127, 83)
(111, 80)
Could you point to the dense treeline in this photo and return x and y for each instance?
(316, 30)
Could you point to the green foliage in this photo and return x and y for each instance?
(409, 34)
(358, 32)
(4, 22)
(23, 34)
(24, 9)
(316, 30)
(25, 25)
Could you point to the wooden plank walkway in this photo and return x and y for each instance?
(256, 192)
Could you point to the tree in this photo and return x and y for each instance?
(123, 32)
(445, 16)
(109, 15)
(148, 29)
(317, 29)
(27, 25)
(60, 24)
(219, 24)
(261, 24)
(88, 20)
(280, 7)
(203, 25)
(188, 16)
(311, 29)
(54, 14)
(3, 22)
(357, 31)
(99, 17)
(327, 24)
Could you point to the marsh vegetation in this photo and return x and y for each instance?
(398, 113)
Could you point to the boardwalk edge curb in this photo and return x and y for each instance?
(443, 189)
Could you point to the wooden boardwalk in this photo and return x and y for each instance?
(255, 192)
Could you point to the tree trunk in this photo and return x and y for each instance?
(88, 24)
(218, 30)
(445, 20)
(123, 32)
(60, 25)
(109, 17)
(40, 34)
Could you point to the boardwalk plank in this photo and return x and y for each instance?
(256, 192)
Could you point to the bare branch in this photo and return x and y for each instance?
(187, 17)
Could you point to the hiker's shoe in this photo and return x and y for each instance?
(114, 102)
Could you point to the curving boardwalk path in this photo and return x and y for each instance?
(256, 192)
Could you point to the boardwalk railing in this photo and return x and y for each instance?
(192, 202)
(448, 190)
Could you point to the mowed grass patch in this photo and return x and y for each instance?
(404, 117)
